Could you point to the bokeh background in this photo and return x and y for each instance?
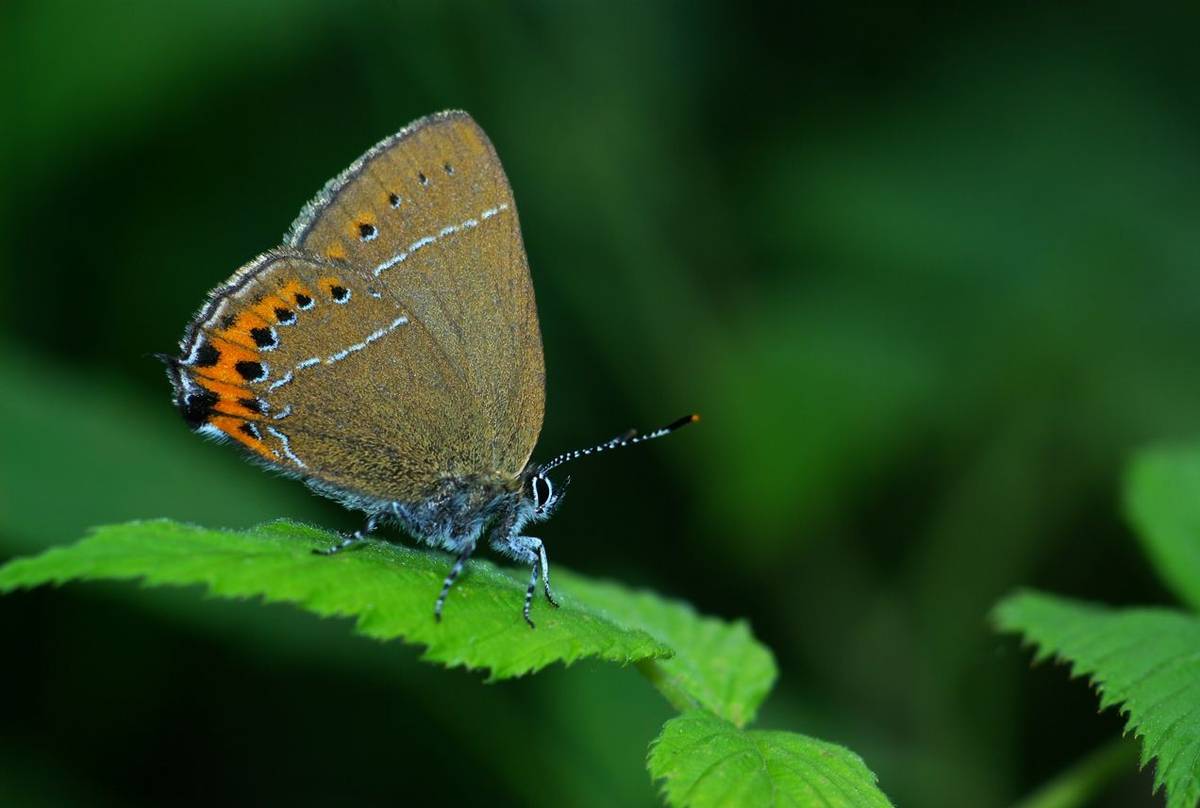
(929, 274)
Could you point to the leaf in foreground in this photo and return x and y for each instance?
(388, 589)
(1146, 661)
(717, 665)
(706, 761)
(1162, 498)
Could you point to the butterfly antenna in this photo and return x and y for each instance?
(166, 359)
(627, 439)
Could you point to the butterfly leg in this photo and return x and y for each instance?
(459, 563)
(533, 579)
(545, 570)
(533, 551)
(353, 539)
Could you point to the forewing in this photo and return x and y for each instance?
(427, 216)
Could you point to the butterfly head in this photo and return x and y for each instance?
(542, 495)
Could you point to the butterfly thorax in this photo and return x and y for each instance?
(459, 510)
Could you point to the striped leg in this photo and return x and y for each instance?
(535, 551)
(545, 570)
(531, 551)
(529, 595)
(353, 539)
(459, 563)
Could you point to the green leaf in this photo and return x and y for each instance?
(1146, 661)
(718, 666)
(388, 589)
(1162, 498)
(706, 761)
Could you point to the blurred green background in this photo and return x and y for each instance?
(930, 274)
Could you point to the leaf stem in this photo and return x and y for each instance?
(676, 694)
(1084, 779)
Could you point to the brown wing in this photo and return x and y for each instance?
(419, 356)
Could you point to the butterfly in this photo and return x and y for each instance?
(388, 353)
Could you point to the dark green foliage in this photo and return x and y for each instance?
(1145, 662)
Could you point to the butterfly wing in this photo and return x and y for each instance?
(429, 215)
(393, 341)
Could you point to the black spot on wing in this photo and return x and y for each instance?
(207, 355)
(197, 406)
(263, 337)
(251, 371)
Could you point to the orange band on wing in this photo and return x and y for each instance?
(289, 291)
(260, 316)
(265, 309)
(233, 400)
(226, 368)
(232, 426)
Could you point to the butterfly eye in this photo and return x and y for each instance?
(542, 491)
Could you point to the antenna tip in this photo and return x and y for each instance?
(684, 421)
(695, 417)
